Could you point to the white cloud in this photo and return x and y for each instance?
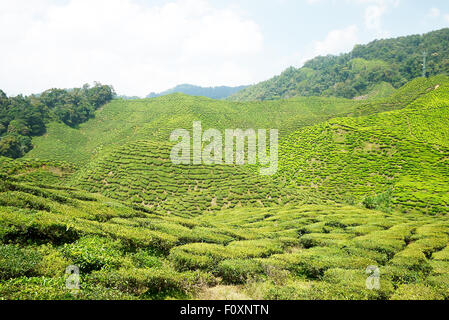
(446, 17)
(336, 41)
(374, 11)
(137, 48)
(373, 16)
(434, 13)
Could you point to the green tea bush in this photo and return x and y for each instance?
(293, 290)
(380, 202)
(146, 259)
(412, 259)
(17, 262)
(44, 288)
(93, 253)
(53, 263)
(416, 292)
(238, 271)
(440, 283)
(442, 255)
(150, 282)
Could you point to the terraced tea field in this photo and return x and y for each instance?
(281, 252)
(122, 122)
(361, 183)
(142, 173)
(404, 152)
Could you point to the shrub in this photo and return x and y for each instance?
(313, 262)
(380, 202)
(412, 259)
(146, 259)
(294, 290)
(354, 281)
(155, 283)
(323, 239)
(440, 283)
(442, 255)
(93, 253)
(238, 270)
(53, 263)
(44, 288)
(16, 262)
(416, 292)
(402, 275)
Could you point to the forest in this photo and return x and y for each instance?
(389, 61)
(24, 117)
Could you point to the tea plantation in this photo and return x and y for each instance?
(361, 183)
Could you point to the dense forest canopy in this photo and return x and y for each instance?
(392, 61)
(23, 117)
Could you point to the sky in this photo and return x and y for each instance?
(143, 46)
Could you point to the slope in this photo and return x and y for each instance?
(289, 252)
(142, 173)
(209, 92)
(355, 74)
(404, 152)
(123, 121)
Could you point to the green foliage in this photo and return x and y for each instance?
(403, 151)
(416, 292)
(379, 202)
(211, 92)
(143, 228)
(24, 117)
(93, 253)
(239, 270)
(358, 73)
(16, 262)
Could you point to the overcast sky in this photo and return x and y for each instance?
(140, 46)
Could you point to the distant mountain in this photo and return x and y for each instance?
(210, 92)
(358, 73)
(124, 97)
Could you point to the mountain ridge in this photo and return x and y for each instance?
(394, 61)
(218, 92)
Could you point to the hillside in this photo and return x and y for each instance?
(22, 118)
(289, 252)
(122, 122)
(404, 152)
(358, 73)
(360, 183)
(142, 173)
(221, 92)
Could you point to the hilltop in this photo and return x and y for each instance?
(220, 92)
(359, 72)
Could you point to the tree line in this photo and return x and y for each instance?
(393, 61)
(23, 117)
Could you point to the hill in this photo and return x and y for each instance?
(121, 122)
(22, 118)
(125, 121)
(400, 156)
(360, 183)
(394, 61)
(221, 92)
